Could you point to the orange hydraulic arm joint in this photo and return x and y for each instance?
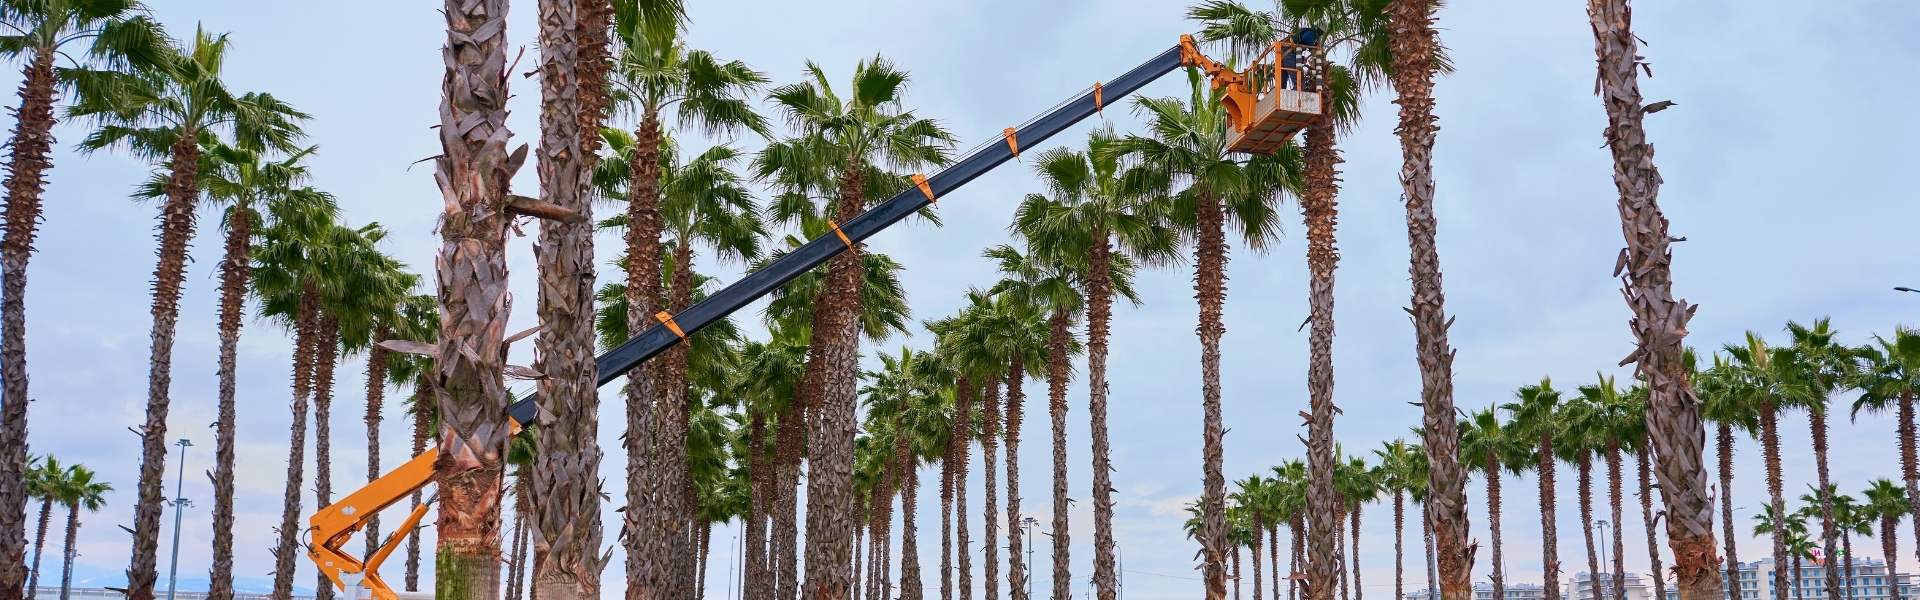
(1238, 98)
(334, 526)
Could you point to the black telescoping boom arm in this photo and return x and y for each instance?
(654, 340)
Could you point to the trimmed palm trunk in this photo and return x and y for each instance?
(671, 425)
(1725, 447)
(1320, 207)
(327, 356)
(1776, 501)
(1299, 555)
(1058, 338)
(235, 271)
(649, 562)
(177, 217)
(946, 525)
(1889, 546)
(1549, 526)
(989, 449)
(962, 440)
(32, 144)
(910, 584)
(1236, 572)
(1829, 533)
(376, 398)
(420, 425)
(1099, 327)
(785, 548)
(1493, 524)
(1210, 287)
(1613, 502)
(1426, 532)
(1646, 518)
(66, 563)
(1399, 551)
(1016, 410)
(1273, 557)
(1659, 320)
(1586, 526)
(39, 544)
(1253, 554)
(565, 475)
(1353, 559)
(1909, 466)
(473, 170)
(287, 550)
(1412, 43)
(830, 499)
(759, 473)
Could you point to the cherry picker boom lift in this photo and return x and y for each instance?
(1265, 104)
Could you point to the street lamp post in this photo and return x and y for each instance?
(180, 503)
(1602, 524)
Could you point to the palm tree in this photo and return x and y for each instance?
(1187, 164)
(1579, 439)
(1824, 366)
(976, 345)
(839, 143)
(1768, 376)
(1399, 474)
(1255, 497)
(117, 34)
(285, 273)
(1621, 423)
(1359, 485)
(1791, 529)
(770, 372)
(1729, 407)
(42, 482)
(1640, 442)
(1536, 416)
(1487, 446)
(1888, 502)
(420, 321)
(1019, 331)
(1291, 477)
(1851, 520)
(170, 113)
(1888, 377)
(78, 490)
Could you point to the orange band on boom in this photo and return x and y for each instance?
(920, 181)
(1097, 103)
(667, 320)
(1013, 141)
(843, 235)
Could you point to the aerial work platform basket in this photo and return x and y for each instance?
(1277, 95)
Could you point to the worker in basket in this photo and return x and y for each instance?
(1296, 59)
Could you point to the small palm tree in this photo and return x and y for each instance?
(1888, 502)
(1888, 378)
(1359, 485)
(1769, 378)
(1580, 438)
(1791, 529)
(1730, 407)
(1250, 495)
(1487, 446)
(1536, 417)
(1824, 365)
(78, 489)
(1399, 475)
(42, 482)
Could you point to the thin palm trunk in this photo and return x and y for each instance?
(69, 551)
(1797, 575)
(517, 554)
(235, 270)
(1340, 556)
(1236, 572)
(946, 525)
(1426, 533)
(1586, 525)
(860, 542)
(1659, 320)
(1889, 546)
(1549, 522)
(1099, 320)
(1058, 338)
(474, 169)
(1776, 503)
(39, 545)
(1614, 502)
(1253, 555)
(962, 440)
(1353, 560)
(420, 426)
(376, 398)
(759, 471)
(1657, 571)
(1493, 524)
(1273, 557)
(1846, 555)
(830, 498)
(989, 446)
(327, 357)
(1210, 287)
(32, 145)
(306, 324)
(1016, 410)
(1297, 556)
(1829, 533)
(649, 560)
(911, 587)
(1725, 439)
(176, 230)
(1909, 467)
(786, 544)
(1320, 206)
(1399, 551)
(706, 556)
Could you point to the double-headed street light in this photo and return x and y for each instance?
(180, 503)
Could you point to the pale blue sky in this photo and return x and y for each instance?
(1784, 164)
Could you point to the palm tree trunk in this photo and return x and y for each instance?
(376, 398)
(517, 555)
(327, 356)
(566, 463)
(1210, 286)
(1660, 320)
(1058, 362)
(1846, 555)
(1320, 206)
(1253, 555)
(1340, 556)
(1725, 439)
(176, 230)
(1776, 504)
(32, 144)
(1297, 555)
(1426, 532)
(786, 544)
(306, 325)
(946, 525)
(1016, 409)
(1099, 321)
(420, 426)
(648, 561)
(989, 447)
(860, 542)
(1889, 546)
(1493, 524)
(670, 518)
(1354, 559)
(1614, 502)
(39, 545)
(474, 170)
(830, 497)
(1829, 534)
(1586, 525)
(1549, 522)
(1273, 557)
(69, 550)
(706, 556)
(1796, 576)
(962, 440)
(1412, 45)
(910, 584)
(1399, 552)
(1909, 465)
(235, 271)
(1658, 571)
(1236, 572)
(759, 472)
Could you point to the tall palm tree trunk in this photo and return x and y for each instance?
(1586, 526)
(946, 525)
(706, 556)
(566, 462)
(69, 551)
(1099, 321)
(517, 555)
(1829, 533)
(759, 466)
(648, 553)
(830, 492)
(376, 398)
(1016, 410)
(420, 425)
(32, 144)
(327, 357)
(1493, 524)
(235, 270)
(1725, 446)
(1613, 502)
(1253, 555)
(1399, 552)
(1889, 546)
(1340, 555)
(306, 325)
(176, 230)
(1297, 556)
(39, 545)
(474, 170)
(1658, 571)
(1236, 572)
(1354, 559)
(1210, 287)
(861, 540)
(1909, 466)
(786, 543)
(670, 437)
(1426, 533)
(989, 450)
(1320, 206)
(1273, 557)
(911, 587)
(1776, 502)
(962, 440)
(1659, 319)
(1058, 338)
(1412, 45)
(1549, 522)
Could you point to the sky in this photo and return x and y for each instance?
(1784, 160)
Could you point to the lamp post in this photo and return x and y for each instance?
(1602, 524)
(180, 503)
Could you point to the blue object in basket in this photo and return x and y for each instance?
(1307, 36)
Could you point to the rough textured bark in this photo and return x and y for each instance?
(176, 230)
(706, 554)
(32, 144)
(1725, 439)
(786, 546)
(1340, 557)
(1776, 502)
(565, 478)
(881, 528)
(1613, 502)
(1210, 288)
(327, 355)
(1549, 522)
(1273, 557)
(1320, 207)
(754, 573)
(1412, 43)
(1829, 535)
(517, 555)
(1498, 577)
(860, 543)
(1058, 361)
(1236, 572)
(1659, 319)
(1297, 556)
(39, 544)
(1909, 467)
(473, 172)
(962, 440)
(672, 413)
(989, 449)
(73, 537)
(1099, 327)
(1426, 532)
(1586, 527)
(910, 583)
(306, 323)
(946, 525)
(830, 469)
(376, 398)
(1646, 518)
(1016, 410)
(1889, 546)
(235, 270)
(1353, 559)
(420, 425)
(1253, 555)
(1399, 549)
(652, 507)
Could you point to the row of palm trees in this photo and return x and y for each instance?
(1885, 505)
(72, 487)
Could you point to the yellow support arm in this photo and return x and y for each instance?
(334, 526)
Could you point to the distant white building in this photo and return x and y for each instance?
(1484, 591)
(1581, 587)
(1869, 582)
